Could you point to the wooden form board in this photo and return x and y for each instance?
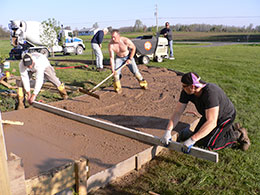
(16, 175)
(4, 176)
(59, 179)
(135, 162)
(131, 133)
(52, 182)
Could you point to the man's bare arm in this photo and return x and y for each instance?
(173, 121)
(131, 46)
(209, 125)
(112, 55)
(176, 116)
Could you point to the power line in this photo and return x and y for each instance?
(211, 17)
(116, 22)
(173, 17)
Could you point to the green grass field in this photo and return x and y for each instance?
(236, 68)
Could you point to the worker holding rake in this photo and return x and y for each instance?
(39, 64)
(215, 129)
(125, 50)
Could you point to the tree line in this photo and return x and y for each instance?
(4, 32)
(139, 27)
(215, 28)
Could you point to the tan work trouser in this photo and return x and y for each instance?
(49, 75)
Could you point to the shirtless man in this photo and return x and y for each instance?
(124, 49)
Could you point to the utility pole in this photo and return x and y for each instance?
(156, 16)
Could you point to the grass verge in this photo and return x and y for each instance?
(236, 69)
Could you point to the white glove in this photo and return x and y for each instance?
(166, 138)
(187, 145)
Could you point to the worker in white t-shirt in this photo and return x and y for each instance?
(38, 64)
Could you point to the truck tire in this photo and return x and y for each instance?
(79, 50)
(159, 59)
(45, 52)
(144, 60)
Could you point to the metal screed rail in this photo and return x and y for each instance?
(128, 132)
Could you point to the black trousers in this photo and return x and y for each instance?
(220, 137)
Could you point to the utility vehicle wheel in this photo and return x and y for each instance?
(159, 59)
(79, 50)
(45, 52)
(144, 60)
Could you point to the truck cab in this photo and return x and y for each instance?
(70, 43)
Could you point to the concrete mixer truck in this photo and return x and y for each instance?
(27, 36)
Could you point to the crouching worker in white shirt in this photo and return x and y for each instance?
(39, 64)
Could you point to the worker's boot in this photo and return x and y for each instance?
(243, 138)
(143, 84)
(20, 96)
(63, 92)
(117, 87)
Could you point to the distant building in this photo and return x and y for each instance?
(87, 31)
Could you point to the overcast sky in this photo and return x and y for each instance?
(115, 13)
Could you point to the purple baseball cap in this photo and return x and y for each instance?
(192, 78)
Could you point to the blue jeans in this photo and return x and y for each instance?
(171, 48)
(132, 67)
(98, 54)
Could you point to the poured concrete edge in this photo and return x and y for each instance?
(101, 179)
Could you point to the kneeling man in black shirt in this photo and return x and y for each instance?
(215, 129)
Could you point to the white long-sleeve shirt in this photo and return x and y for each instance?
(41, 63)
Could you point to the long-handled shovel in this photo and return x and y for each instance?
(90, 92)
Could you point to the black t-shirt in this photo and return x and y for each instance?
(212, 96)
